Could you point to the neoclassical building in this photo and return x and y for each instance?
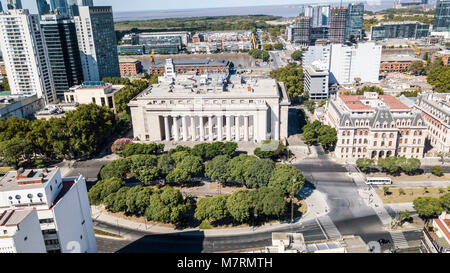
(375, 126)
(435, 109)
(211, 108)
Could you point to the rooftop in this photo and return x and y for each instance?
(398, 58)
(13, 217)
(364, 103)
(128, 61)
(26, 179)
(194, 62)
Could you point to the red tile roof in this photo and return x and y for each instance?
(353, 102)
(443, 227)
(393, 102)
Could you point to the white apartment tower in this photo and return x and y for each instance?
(25, 54)
(349, 63)
(62, 205)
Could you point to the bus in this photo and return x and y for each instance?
(378, 181)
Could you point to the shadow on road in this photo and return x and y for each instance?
(183, 242)
(307, 190)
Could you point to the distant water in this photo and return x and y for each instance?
(276, 10)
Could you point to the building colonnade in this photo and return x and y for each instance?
(209, 127)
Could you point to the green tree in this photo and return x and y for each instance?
(178, 176)
(117, 168)
(445, 202)
(404, 216)
(371, 88)
(417, 68)
(165, 164)
(212, 208)
(410, 165)
(269, 202)
(386, 190)
(240, 206)
(437, 170)
(283, 176)
(389, 164)
(117, 201)
(292, 76)
(5, 84)
(427, 207)
(259, 173)
(15, 150)
(297, 55)
(216, 168)
(364, 164)
(103, 188)
(310, 105)
(193, 165)
(238, 167)
(88, 127)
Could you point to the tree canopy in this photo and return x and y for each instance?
(292, 76)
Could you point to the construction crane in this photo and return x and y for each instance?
(255, 46)
(417, 50)
(152, 58)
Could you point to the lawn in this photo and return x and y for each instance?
(409, 194)
(105, 233)
(405, 177)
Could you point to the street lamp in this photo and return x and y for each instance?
(292, 200)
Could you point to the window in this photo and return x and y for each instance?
(93, 100)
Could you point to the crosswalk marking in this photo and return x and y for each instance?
(399, 239)
(330, 229)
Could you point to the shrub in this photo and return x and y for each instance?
(437, 170)
(120, 144)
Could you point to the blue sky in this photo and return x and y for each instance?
(140, 5)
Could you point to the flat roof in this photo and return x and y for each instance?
(28, 179)
(13, 217)
(194, 62)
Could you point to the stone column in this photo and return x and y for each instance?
(237, 125)
(245, 128)
(193, 129)
(202, 132)
(176, 130)
(219, 128)
(228, 128)
(185, 128)
(210, 125)
(166, 127)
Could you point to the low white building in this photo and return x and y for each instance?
(211, 109)
(99, 93)
(62, 207)
(20, 232)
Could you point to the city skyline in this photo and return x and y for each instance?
(122, 6)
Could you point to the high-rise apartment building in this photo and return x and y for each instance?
(43, 7)
(25, 54)
(97, 42)
(317, 53)
(62, 205)
(442, 16)
(75, 4)
(300, 31)
(354, 21)
(64, 55)
(338, 23)
(60, 5)
(349, 64)
(319, 13)
(14, 4)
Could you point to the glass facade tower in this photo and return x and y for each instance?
(354, 21)
(442, 16)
